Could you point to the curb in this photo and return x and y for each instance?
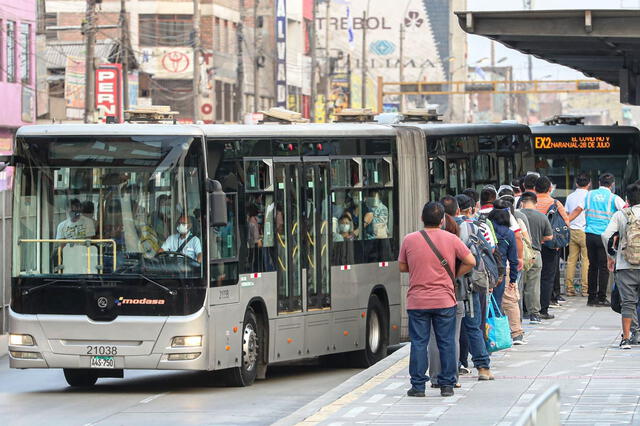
(345, 388)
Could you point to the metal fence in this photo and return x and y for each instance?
(5, 257)
(543, 411)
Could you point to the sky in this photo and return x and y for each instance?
(480, 47)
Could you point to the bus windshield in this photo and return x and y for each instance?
(97, 205)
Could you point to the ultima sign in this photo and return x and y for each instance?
(109, 92)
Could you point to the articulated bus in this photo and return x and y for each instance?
(564, 150)
(293, 235)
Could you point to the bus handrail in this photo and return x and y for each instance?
(87, 242)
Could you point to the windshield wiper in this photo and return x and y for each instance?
(165, 288)
(46, 284)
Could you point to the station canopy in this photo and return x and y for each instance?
(603, 44)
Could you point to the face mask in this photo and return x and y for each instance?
(345, 227)
(74, 215)
(182, 228)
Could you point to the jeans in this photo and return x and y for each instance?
(475, 336)
(598, 271)
(463, 359)
(577, 248)
(434, 353)
(547, 277)
(498, 292)
(443, 322)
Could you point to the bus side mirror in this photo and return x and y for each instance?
(217, 203)
(5, 161)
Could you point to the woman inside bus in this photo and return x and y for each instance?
(345, 231)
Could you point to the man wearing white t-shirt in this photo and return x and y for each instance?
(183, 241)
(76, 226)
(578, 243)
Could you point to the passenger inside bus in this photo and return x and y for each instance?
(183, 241)
(376, 218)
(345, 229)
(75, 226)
(161, 217)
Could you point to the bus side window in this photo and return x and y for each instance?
(223, 247)
(377, 224)
(260, 231)
(345, 225)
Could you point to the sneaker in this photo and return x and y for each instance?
(592, 303)
(446, 391)
(554, 304)
(603, 303)
(547, 316)
(561, 299)
(415, 392)
(464, 370)
(625, 344)
(437, 386)
(534, 319)
(485, 374)
(519, 340)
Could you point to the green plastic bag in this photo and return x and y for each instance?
(497, 330)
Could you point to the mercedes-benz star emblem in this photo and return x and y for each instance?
(102, 302)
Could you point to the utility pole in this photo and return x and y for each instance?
(196, 60)
(89, 75)
(256, 68)
(237, 101)
(327, 73)
(314, 62)
(401, 68)
(363, 90)
(124, 47)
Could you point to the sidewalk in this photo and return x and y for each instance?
(599, 383)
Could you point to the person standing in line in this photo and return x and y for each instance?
(578, 243)
(507, 247)
(539, 231)
(627, 259)
(430, 256)
(471, 323)
(543, 190)
(600, 205)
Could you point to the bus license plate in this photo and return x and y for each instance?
(103, 362)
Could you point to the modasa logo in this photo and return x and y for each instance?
(144, 301)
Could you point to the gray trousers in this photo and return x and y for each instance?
(531, 286)
(432, 347)
(628, 281)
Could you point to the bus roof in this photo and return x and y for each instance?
(109, 130)
(469, 129)
(296, 130)
(582, 129)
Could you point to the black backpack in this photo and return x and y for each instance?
(561, 232)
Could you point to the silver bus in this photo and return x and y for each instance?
(289, 240)
(295, 235)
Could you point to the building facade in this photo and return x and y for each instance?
(17, 68)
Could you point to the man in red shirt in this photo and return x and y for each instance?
(431, 300)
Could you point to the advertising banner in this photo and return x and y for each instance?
(74, 82)
(109, 92)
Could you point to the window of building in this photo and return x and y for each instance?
(51, 20)
(216, 34)
(165, 30)
(25, 53)
(11, 51)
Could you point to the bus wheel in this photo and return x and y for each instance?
(245, 375)
(80, 377)
(376, 336)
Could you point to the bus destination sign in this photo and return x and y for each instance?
(569, 142)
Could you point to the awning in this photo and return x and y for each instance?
(55, 56)
(603, 44)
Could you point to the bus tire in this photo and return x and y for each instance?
(376, 336)
(246, 374)
(80, 377)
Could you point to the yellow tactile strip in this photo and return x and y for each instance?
(339, 403)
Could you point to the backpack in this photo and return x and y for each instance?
(486, 274)
(561, 233)
(631, 247)
(528, 253)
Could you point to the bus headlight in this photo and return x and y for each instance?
(186, 341)
(25, 355)
(183, 357)
(21, 340)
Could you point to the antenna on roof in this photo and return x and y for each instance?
(572, 120)
(421, 115)
(355, 115)
(150, 115)
(279, 115)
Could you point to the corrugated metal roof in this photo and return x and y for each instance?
(55, 56)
